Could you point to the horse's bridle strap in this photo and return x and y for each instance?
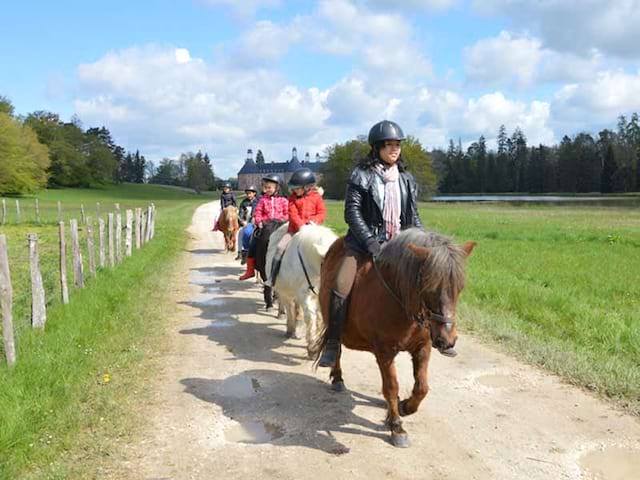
(431, 316)
(306, 274)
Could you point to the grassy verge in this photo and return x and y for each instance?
(556, 285)
(73, 383)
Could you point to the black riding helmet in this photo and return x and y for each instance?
(272, 177)
(385, 130)
(226, 185)
(301, 178)
(251, 188)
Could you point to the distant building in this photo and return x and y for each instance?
(252, 171)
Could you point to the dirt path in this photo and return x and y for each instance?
(230, 377)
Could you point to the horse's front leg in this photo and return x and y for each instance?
(390, 390)
(420, 360)
(337, 383)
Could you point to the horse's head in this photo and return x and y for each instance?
(440, 282)
(315, 240)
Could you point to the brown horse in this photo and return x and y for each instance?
(228, 225)
(405, 301)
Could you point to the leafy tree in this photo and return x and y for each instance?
(419, 163)
(6, 106)
(341, 158)
(25, 159)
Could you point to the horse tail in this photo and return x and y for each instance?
(318, 343)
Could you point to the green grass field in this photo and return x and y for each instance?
(73, 385)
(557, 285)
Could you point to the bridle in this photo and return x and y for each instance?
(421, 318)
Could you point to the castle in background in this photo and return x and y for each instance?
(252, 171)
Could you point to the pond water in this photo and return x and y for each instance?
(613, 201)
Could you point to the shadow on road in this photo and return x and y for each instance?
(301, 406)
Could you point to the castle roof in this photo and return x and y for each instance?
(250, 166)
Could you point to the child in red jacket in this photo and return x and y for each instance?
(305, 206)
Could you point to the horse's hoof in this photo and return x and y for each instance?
(291, 335)
(338, 386)
(400, 440)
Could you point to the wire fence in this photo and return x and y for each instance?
(96, 246)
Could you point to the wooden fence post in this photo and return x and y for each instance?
(77, 255)
(64, 286)
(118, 237)
(148, 230)
(128, 238)
(101, 239)
(83, 219)
(143, 232)
(18, 217)
(6, 299)
(153, 222)
(138, 227)
(4, 211)
(60, 219)
(91, 249)
(112, 258)
(38, 212)
(38, 308)
(97, 209)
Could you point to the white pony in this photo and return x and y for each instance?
(305, 252)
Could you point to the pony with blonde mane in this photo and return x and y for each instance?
(298, 282)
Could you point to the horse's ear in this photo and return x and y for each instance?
(421, 252)
(468, 247)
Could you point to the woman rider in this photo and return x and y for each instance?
(381, 200)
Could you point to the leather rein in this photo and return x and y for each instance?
(421, 318)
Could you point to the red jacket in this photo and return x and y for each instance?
(270, 208)
(305, 209)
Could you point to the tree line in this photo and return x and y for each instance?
(608, 163)
(192, 170)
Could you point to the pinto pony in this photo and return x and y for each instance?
(405, 301)
(228, 225)
(299, 279)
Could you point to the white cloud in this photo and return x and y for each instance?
(156, 101)
(507, 57)
(408, 4)
(599, 102)
(609, 26)
(243, 8)
(496, 59)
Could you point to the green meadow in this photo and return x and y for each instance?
(557, 285)
(72, 390)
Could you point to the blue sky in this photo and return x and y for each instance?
(169, 76)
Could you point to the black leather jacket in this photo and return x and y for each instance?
(246, 209)
(363, 207)
(226, 200)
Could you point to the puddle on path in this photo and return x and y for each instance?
(253, 432)
(223, 323)
(201, 278)
(209, 301)
(612, 463)
(496, 381)
(239, 386)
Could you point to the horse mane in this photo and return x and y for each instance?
(413, 276)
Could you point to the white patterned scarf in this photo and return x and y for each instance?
(392, 206)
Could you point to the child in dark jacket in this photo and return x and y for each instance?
(226, 199)
(245, 217)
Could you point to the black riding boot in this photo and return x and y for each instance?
(337, 314)
(275, 268)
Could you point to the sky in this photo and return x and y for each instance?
(222, 76)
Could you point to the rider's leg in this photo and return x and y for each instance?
(277, 259)
(338, 310)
